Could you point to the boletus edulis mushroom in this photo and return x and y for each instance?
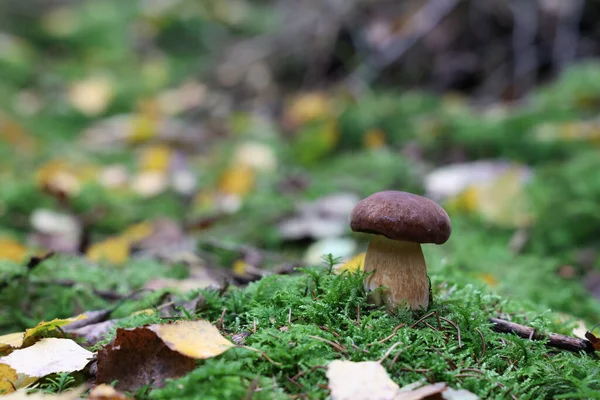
(401, 222)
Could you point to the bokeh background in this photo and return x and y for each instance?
(137, 136)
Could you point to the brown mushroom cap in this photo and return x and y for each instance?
(401, 216)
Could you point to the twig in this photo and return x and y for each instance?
(290, 316)
(385, 339)
(335, 345)
(553, 339)
(457, 330)
(326, 329)
(388, 352)
(422, 319)
(262, 353)
(221, 319)
(483, 347)
(253, 386)
(302, 373)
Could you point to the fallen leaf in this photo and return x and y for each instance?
(138, 357)
(323, 218)
(106, 392)
(307, 107)
(374, 139)
(114, 250)
(49, 222)
(593, 340)
(91, 96)
(237, 180)
(48, 356)
(138, 232)
(8, 377)
(451, 180)
(149, 183)
(155, 158)
(45, 327)
(356, 263)
(57, 176)
(182, 285)
(12, 250)
(196, 339)
(256, 155)
(369, 380)
(338, 247)
(459, 394)
(423, 392)
(365, 380)
(11, 340)
(93, 333)
(571, 131)
(494, 190)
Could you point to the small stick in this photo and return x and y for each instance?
(422, 319)
(251, 389)
(262, 353)
(358, 315)
(335, 345)
(553, 339)
(299, 374)
(221, 319)
(385, 339)
(483, 348)
(388, 352)
(457, 330)
(290, 316)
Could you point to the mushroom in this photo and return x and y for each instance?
(401, 221)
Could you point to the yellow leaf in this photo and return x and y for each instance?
(8, 377)
(488, 278)
(374, 139)
(195, 339)
(143, 129)
(46, 326)
(106, 392)
(146, 311)
(307, 107)
(12, 250)
(58, 176)
(237, 180)
(138, 232)
(145, 124)
(239, 267)
(155, 158)
(356, 263)
(11, 340)
(114, 250)
(91, 96)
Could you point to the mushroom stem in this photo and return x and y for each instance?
(400, 268)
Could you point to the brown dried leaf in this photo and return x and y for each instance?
(138, 357)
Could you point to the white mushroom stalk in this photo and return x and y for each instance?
(398, 273)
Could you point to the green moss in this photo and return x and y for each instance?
(290, 314)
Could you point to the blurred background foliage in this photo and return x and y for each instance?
(233, 119)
